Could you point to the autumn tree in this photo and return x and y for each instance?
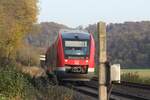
(16, 20)
(127, 43)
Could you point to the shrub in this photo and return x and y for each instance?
(46, 91)
(16, 86)
(13, 84)
(59, 93)
(28, 55)
(3, 97)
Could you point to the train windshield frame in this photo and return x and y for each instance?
(76, 48)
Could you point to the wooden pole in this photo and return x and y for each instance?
(102, 59)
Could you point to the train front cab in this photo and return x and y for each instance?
(75, 56)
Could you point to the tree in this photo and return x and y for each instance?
(127, 43)
(16, 20)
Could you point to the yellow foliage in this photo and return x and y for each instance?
(16, 20)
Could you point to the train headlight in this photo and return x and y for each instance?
(87, 61)
(66, 60)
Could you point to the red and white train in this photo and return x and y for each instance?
(71, 56)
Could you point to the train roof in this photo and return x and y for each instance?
(73, 31)
(75, 34)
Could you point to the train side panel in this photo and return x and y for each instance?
(92, 54)
(60, 52)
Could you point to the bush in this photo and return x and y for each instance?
(46, 91)
(13, 84)
(59, 93)
(2, 97)
(28, 55)
(17, 86)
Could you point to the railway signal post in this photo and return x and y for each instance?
(102, 59)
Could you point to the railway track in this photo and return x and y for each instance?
(123, 91)
(123, 96)
(135, 85)
(133, 91)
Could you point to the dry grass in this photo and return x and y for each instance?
(136, 75)
(32, 71)
(143, 73)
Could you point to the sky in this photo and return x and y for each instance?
(84, 12)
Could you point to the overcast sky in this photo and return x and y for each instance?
(83, 12)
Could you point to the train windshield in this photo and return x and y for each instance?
(76, 48)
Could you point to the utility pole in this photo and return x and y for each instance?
(102, 59)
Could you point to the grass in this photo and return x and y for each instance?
(13, 84)
(136, 75)
(17, 86)
(143, 73)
